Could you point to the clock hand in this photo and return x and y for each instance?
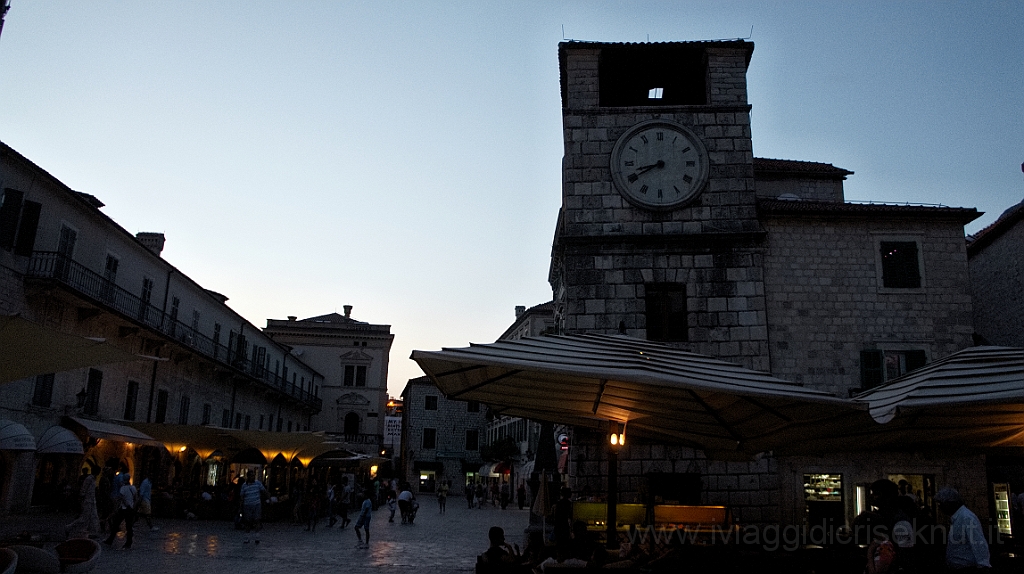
(647, 168)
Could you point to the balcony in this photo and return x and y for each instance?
(88, 284)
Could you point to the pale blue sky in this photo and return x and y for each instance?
(404, 157)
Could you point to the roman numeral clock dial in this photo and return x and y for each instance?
(659, 164)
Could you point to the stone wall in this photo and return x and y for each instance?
(997, 286)
(825, 302)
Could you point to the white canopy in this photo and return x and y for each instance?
(660, 392)
(14, 436)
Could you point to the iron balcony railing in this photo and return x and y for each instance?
(360, 438)
(84, 281)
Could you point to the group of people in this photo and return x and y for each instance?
(899, 535)
(477, 494)
(112, 496)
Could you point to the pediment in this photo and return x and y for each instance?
(356, 357)
(353, 399)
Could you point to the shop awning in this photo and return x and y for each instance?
(304, 446)
(205, 440)
(14, 436)
(110, 431)
(660, 392)
(31, 349)
(59, 440)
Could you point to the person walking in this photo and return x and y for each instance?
(346, 501)
(251, 495)
(506, 495)
(89, 518)
(332, 518)
(442, 495)
(470, 494)
(146, 502)
(405, 503)
(127, 502)
(363, 520)
(521, 496)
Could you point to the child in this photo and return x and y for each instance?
(392, 505)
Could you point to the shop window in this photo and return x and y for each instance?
(823, 497)
(901, 266)
(429, 438)
(666, 312)
(42, 396)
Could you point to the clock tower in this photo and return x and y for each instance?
(658, 236)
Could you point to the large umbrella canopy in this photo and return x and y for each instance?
(28, 349)
(972, 398)
(660, 392)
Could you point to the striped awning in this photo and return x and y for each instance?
(658, 391)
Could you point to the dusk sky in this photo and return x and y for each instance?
(405, 157)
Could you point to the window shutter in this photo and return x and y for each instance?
(27, 231)
(872, 372)
(10, 211)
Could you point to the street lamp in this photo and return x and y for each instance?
(616, 440)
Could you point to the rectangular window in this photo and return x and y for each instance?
(131, 397)
(225, 419)
(473, 407)
(238, 421)
(280, 423)
(248, 420)
(207, 413)
(900, 266)
(430, 403)
(261, 422)
(270, 422)
(355, 376)
(183, 410)
(289, 426)
(666, 312)
(66, 243)
(161, 406)
(92, 392)
(429, 438)
(472, 439)
(43, 394)
(878, 367)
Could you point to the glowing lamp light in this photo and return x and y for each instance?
(617, 438)
(182, 449)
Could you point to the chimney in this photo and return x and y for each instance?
(520, 309)
(348, 311)
(152, 241)
(292, 317)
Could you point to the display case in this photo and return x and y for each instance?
(1001, 496)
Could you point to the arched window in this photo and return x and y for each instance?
(351, 425)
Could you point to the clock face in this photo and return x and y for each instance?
(659, 165)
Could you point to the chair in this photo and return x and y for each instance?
(8, 561)
(78, 554)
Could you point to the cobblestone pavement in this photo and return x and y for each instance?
(437, 542)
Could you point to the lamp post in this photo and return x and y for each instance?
(616, 440)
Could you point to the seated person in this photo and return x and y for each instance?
(500, 556)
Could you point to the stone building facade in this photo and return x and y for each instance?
(73, 272)
(996, 256)
(760, 262)
(441, 438)
(353, 358)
